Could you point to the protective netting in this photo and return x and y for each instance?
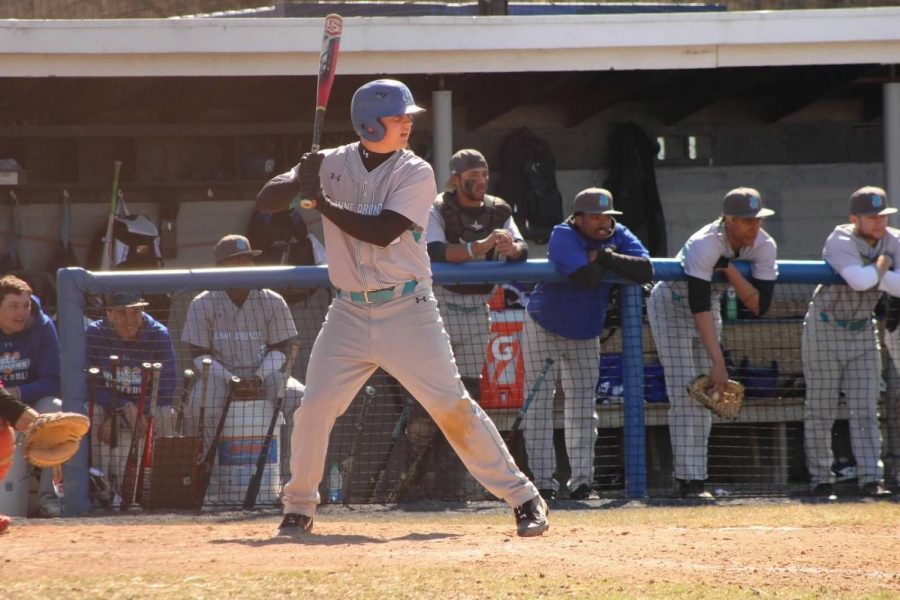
(386, 448)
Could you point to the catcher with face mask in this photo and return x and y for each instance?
(50, 439)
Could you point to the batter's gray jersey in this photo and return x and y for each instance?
(844, 249)
(238, 335)
(398, 184)
(700, 253)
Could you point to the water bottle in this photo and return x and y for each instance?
(731, 308)
(335, 485)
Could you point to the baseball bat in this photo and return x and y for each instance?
(253, 487)
(204, 387)
(395, 437)
(135, 451)
(209, 460)
(187, 380)
(107, 258)
(93, 380)
(331, 43)
(531, 395)
(142, 492)
(368, 398)
(113, 425)
(201, 427)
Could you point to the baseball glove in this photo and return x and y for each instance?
(54, 438)
(727, 405)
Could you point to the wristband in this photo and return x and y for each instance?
(469, 249)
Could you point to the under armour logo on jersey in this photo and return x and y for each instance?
(335, 176)
(421, 299)
(476, 226)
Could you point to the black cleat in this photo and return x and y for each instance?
(294, 525)
(693, 488)
(531, 517)
(825, 490)
(547, 493)
(584, 492)
(874, 489)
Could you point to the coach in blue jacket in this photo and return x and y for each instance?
(564, 322)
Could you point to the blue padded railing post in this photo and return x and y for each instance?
(70, 291)
(635, 444)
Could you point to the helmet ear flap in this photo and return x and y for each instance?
(372, 130)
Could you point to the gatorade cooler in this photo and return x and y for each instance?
(503, 375)
(14, 488)
(242, 440)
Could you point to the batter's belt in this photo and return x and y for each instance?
(380, 296)
(848, 324)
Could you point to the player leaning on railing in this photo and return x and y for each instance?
(840, 346)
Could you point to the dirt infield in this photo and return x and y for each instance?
(784, 549)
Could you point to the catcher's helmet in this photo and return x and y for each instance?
(376, 99)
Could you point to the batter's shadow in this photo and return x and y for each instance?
(321, 539)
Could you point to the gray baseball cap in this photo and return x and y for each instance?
(467, 159)
(745, 203)
(870, 201)
(595, 201)
(233, 245)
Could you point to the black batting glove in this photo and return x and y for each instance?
(308, 176)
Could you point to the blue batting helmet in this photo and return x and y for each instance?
(376, 99)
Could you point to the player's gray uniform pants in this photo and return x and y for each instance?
(576, 362)
(466, 322)
(406, 337)
(837, 359)
(45, 486)
(683, 357)
(892, 406)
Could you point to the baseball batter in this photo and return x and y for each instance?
(245, 333)
(840, 347)
(686, 321)
(375, 196)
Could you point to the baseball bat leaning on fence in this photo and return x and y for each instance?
(175, 460)
(135, 449)
(93, 374)
(209, 460)
(368, 399)
(113, 427)
(261, 460)
(188, 379)
(146, 466)
(201, 429)
(395, 437)
(106, 261)
(331, 43)
(531, 395)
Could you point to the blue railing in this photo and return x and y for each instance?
(73, 283)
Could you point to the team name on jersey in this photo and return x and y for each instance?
(237, 336)
(13, 367)
(360, 208)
